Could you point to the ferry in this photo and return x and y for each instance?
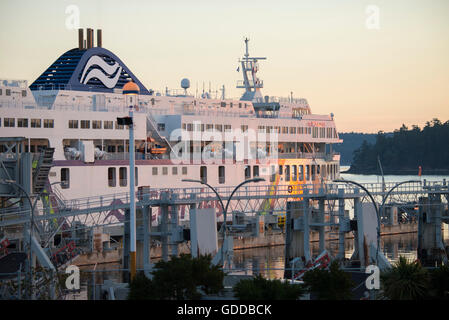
(74, 109)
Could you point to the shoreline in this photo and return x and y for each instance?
(401, 172)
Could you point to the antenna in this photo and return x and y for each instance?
(223, 93)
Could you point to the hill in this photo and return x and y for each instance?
(351, 142)
(405, 150)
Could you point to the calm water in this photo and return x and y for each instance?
(393, 246)
(370, 178)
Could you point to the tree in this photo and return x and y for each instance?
(141, 288)
(405, 281)
(180, 278)
(405, 150)
(439, 282)
(332, 284)
(260, 288)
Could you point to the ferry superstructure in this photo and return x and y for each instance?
(74, 105)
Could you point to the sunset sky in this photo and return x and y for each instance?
(326, 51)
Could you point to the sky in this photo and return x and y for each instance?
(374, 64)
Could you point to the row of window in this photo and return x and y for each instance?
(164, 171)
(24, 123)
(289, 172)
(96, 124)
(8, 92)
(304, 173)
(223, 104)
(324, 132)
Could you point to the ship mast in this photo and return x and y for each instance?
(251, 83)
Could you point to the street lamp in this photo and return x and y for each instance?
(375, 204)
(131, 91)
(394, 187)
(375, 207)
(225, 209)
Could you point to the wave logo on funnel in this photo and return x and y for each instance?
(106, 73)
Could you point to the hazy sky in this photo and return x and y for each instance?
(327, 51)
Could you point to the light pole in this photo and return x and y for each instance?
(394, 187)
(131, 91)
(225, 209)
(375, 207)
(375, 203)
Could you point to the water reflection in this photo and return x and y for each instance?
(260, 260)
(269, 261)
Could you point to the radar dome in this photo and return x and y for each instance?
(185, 83)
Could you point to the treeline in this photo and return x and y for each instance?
(351, 142)
(405, 150)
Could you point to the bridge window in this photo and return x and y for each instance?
(36, 123)
(174, 171)
(136, 176)
(49, 123)
(221, 174)
(108, 124)
(154, 171)
(287, 173)
(308, 172)
(203, 174)
(281, 171)
(255, 171)
(65, 178)
(22, 123)
(164, 171)
(85, 124)
(247, 172)
(184, 170)
(301, 173)
(313, 172)
(96, 124)
(295, 173)
(73, 124)
(9, 122)
(273, 174)
(112, 177)
(123, 177)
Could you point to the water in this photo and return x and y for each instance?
(270, 261)
(255, 261)
(371, 178)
